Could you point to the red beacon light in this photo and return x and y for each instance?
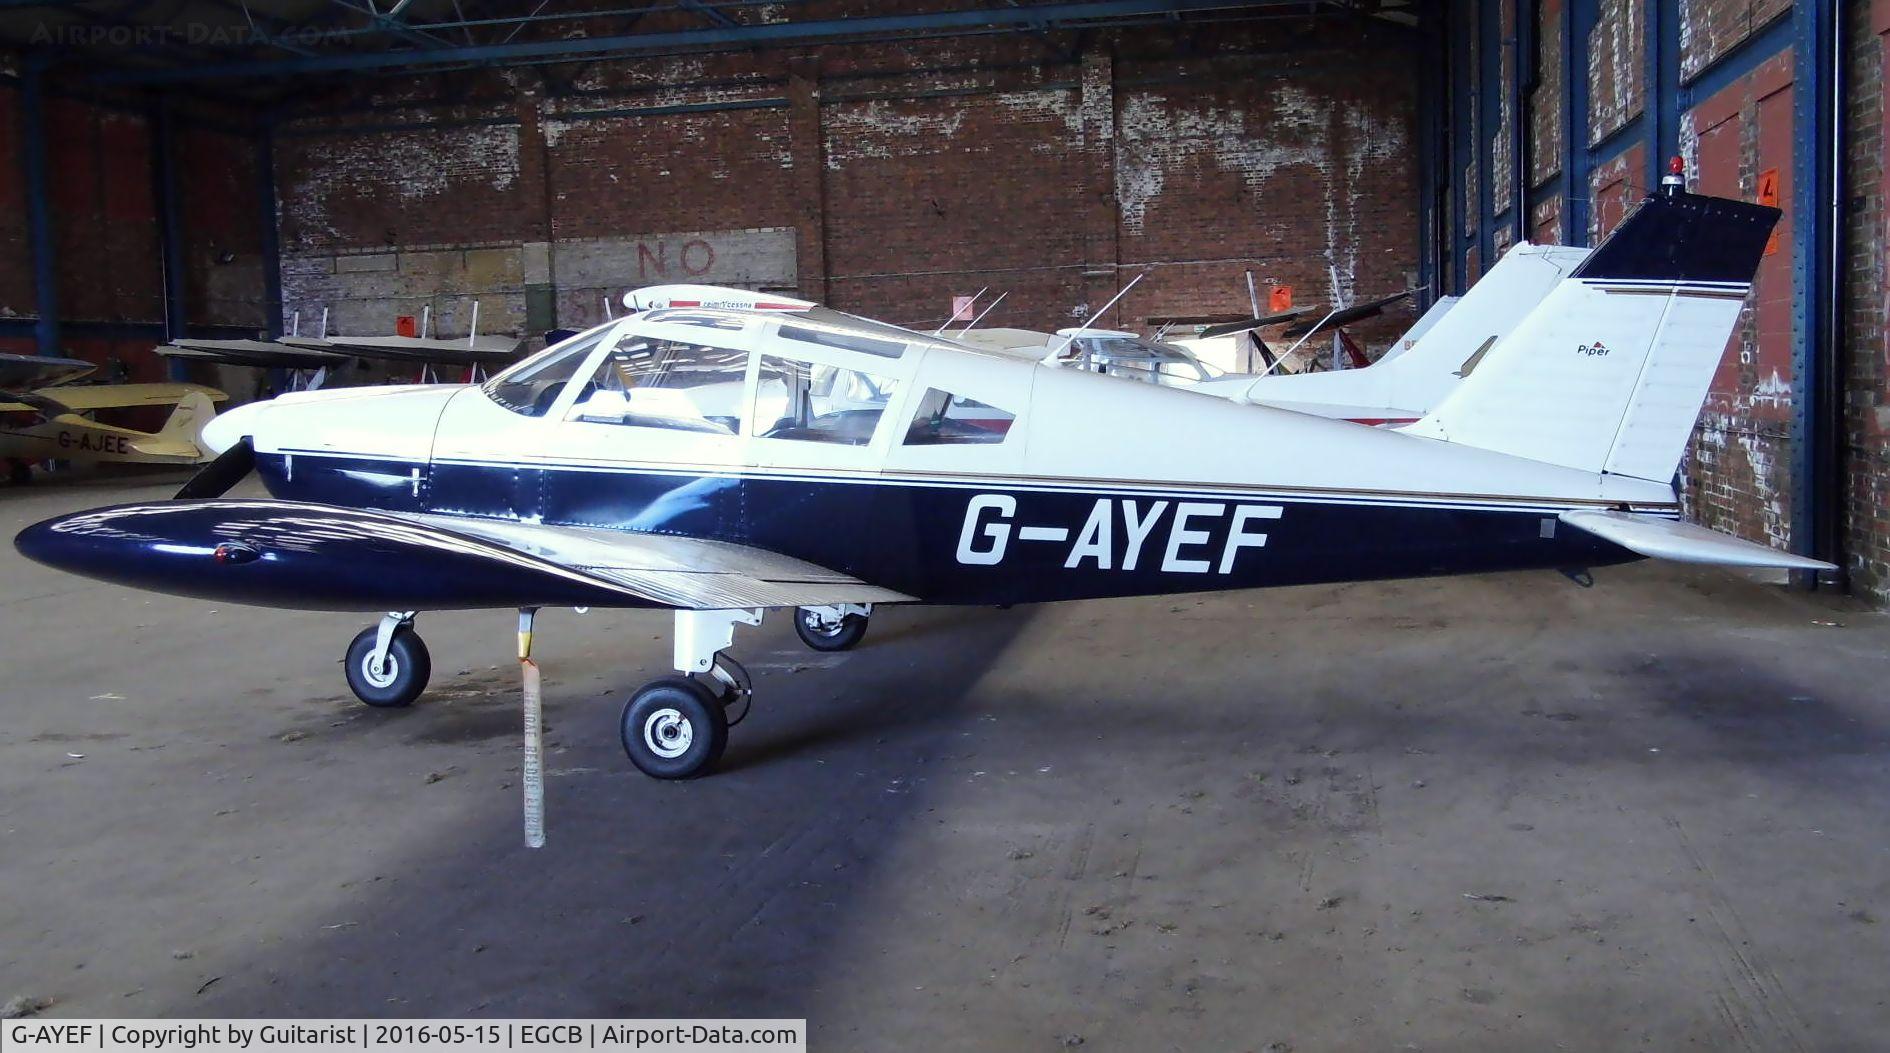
(1675, 181)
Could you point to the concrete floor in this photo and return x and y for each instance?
(1496, 813)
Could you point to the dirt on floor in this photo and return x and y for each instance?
(1490, 813)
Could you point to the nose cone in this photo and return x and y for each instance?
(226, 428)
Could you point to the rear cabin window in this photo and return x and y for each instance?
(866, 345)
(645, 383)
(817, 403)
(945, 419)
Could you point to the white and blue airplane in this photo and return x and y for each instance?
(725, 461)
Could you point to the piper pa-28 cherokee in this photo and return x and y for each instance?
(723, 462)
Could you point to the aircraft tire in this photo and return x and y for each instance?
(843, 637)
(674, 728)
(411, 666)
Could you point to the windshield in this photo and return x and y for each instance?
(651, 383)
(532, 386)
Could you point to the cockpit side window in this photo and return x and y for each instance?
(945, 419)
(811, 402)
(650, 383)
(530, 387)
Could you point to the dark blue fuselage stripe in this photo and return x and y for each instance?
(1004, 543)
(1015, 483)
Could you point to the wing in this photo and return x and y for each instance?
(1346, 315)
(25, 372)
(308, 556)
(118, 396)
(484, 350)
(685, 572)
(262, 353)
(1671, 539)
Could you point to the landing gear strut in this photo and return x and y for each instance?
(833, 628)
(677, 727)
(388, 664)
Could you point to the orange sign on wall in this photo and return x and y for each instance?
(1768, 195)
(1279, 298)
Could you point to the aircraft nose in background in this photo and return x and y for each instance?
(226, 428)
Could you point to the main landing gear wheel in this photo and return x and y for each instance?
(821, 630)
(398, 678)
(674, 728)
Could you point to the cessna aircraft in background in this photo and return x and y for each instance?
(1419, 369)
(1426, 364)
(42, 386)
(723, 462)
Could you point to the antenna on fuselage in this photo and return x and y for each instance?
(969, 326)
(1056, 356)
(954, 316)
(1288, 353)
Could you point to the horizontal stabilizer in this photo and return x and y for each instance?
(1659, 538)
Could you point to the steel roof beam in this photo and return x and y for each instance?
(392, 25)
(774, 33)
(715, 17)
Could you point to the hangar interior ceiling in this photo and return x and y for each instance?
(222, 167)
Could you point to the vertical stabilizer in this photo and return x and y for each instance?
(186, 422)
(1608, 373)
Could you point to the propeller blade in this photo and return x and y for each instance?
(216, 478)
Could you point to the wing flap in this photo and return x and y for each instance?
(1671, 539)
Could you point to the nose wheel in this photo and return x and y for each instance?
(388, 665)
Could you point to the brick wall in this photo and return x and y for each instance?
(1738, 477)
(109, 270)
(1546, 119)
(1737, 140)
(223, 267)
(1867, 408)
(1501, 139)
(1050, 167)
(1617, 68)
(16, 267)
